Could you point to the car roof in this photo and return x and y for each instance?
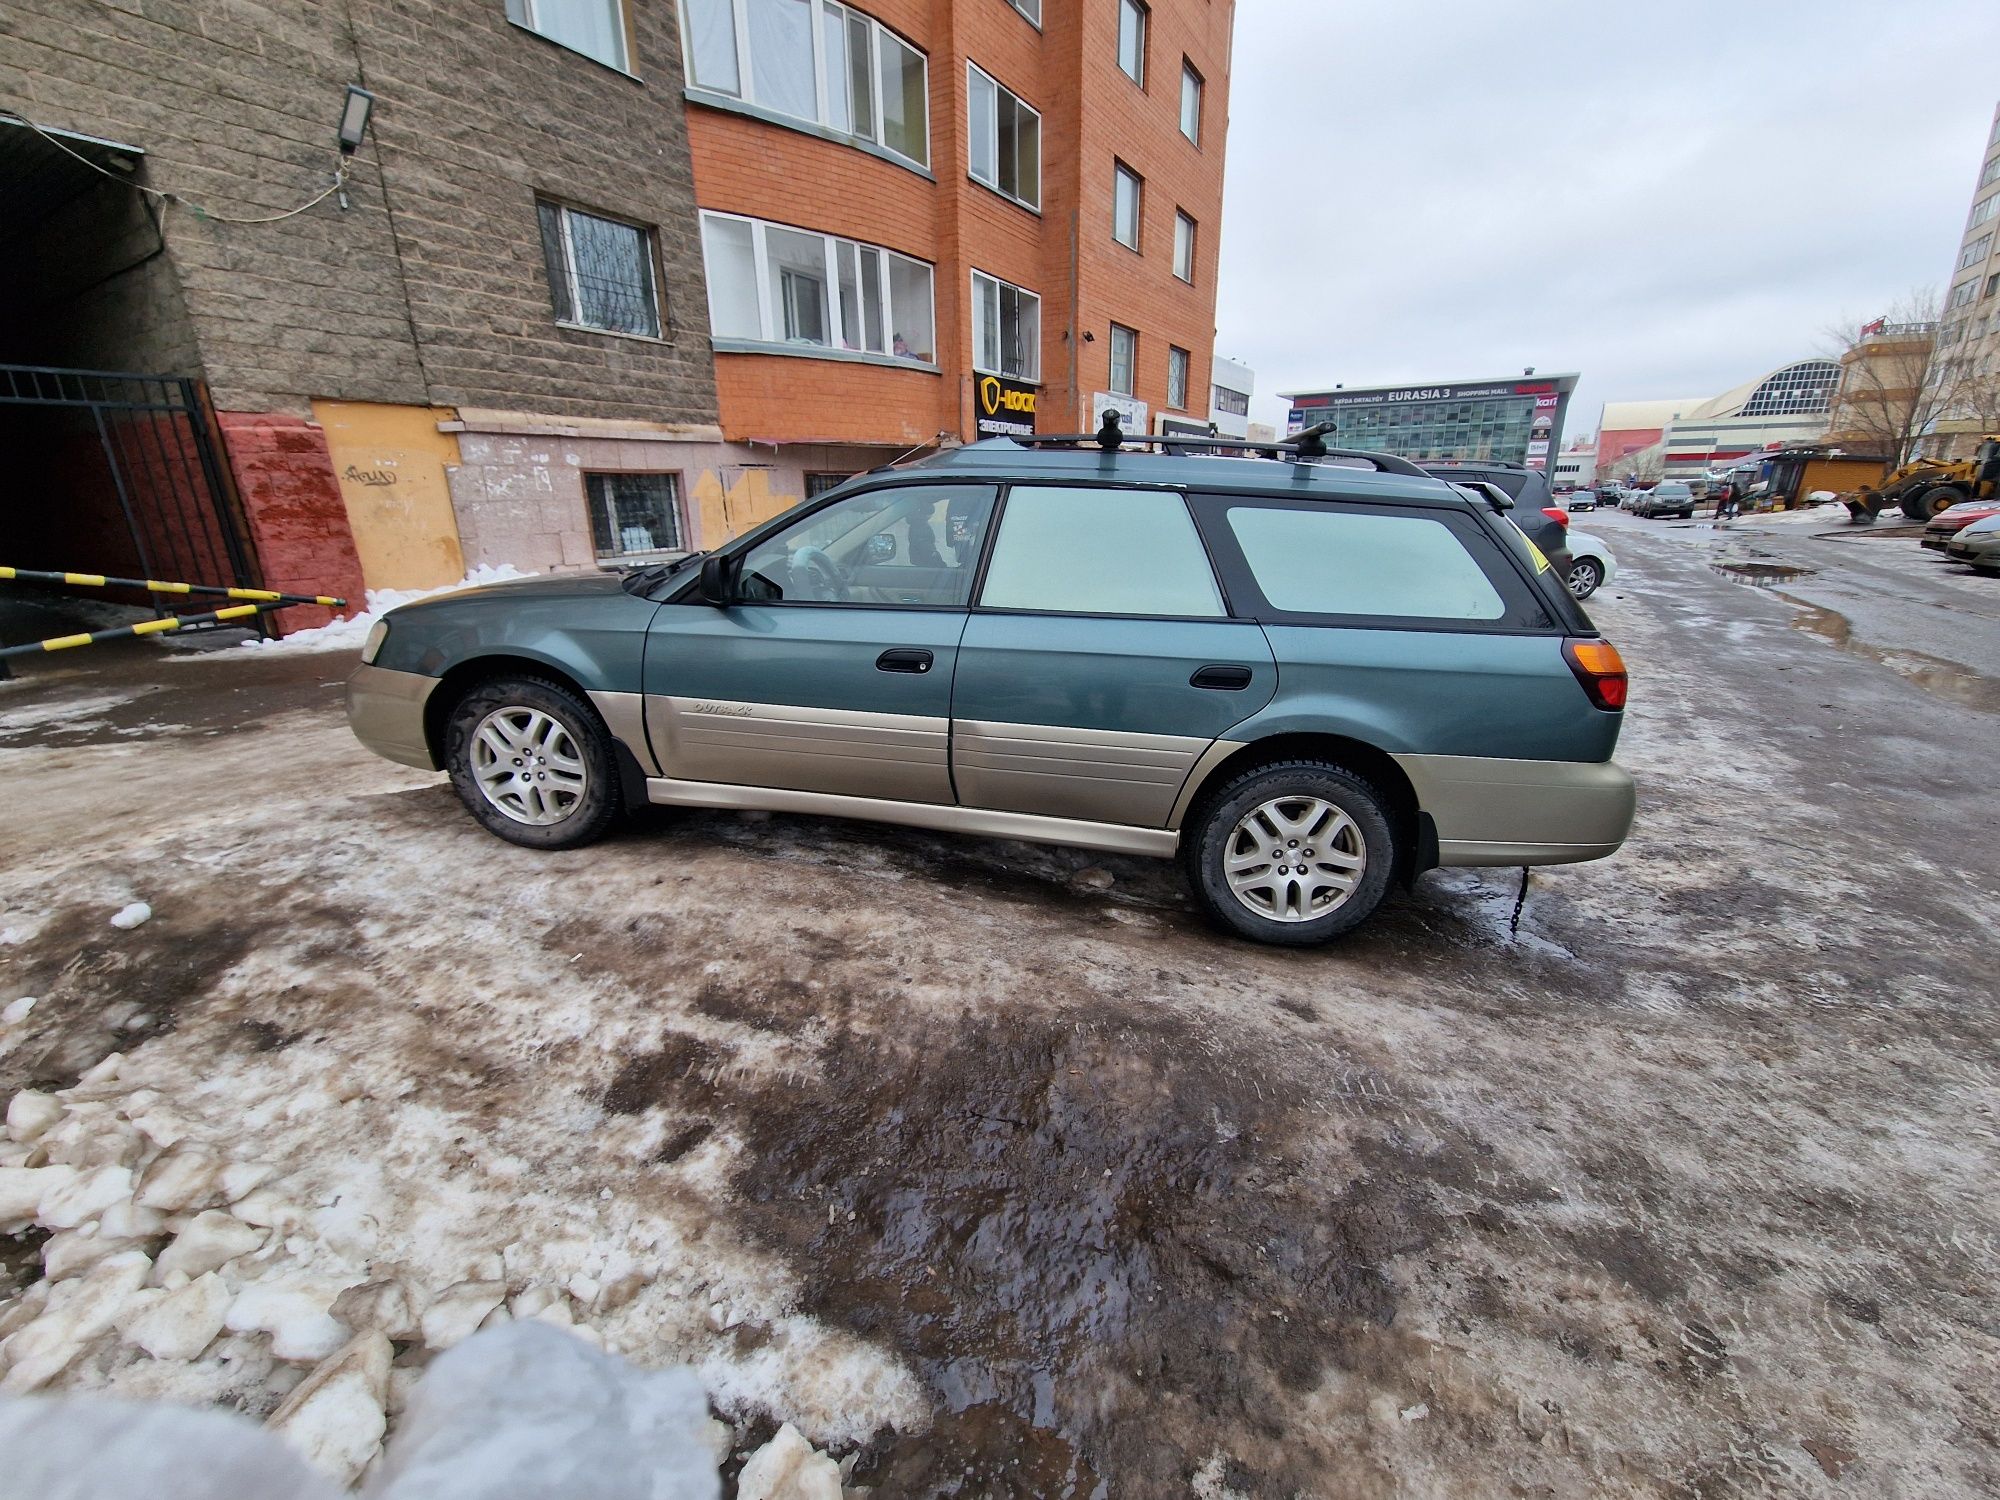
(1006, 461)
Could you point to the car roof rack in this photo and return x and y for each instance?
(1304, 446)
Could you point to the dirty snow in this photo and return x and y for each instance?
(131, 915)
(346, 633)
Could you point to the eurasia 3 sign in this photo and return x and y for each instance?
(1003, 408)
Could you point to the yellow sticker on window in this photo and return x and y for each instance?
(1542, 563)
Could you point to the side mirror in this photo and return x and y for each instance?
(881, 548)
(714, 587)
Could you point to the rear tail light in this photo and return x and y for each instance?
(1600, 669)
(1561, 517)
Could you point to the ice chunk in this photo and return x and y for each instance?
(104, 1070)
(178, 1181)
(68, 1204)
(128, 1221)
(266, 1208)
(131, 915)
(31, 1112)
(788, 1468)
(77, 1312)
(180, 1324)
(334, 1418)
(75, 1251)
(23, 1188)
(459, 1310)
(240, 1178)
(527, 1399)
(294, 1310)
(88, 1448)
(17, 1011)
(385, 1306)
(210, 1241)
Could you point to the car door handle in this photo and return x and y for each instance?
(1226, 679)
(904, 659)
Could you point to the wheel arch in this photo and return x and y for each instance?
(463, 676)
(1416, 834)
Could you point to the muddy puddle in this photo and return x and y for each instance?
(1761, 575)
(1948, 680)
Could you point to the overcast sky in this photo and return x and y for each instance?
(1669, 198)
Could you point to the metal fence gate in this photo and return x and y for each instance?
(118, 473)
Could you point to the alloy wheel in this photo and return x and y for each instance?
(1294, 859)
(528, 765)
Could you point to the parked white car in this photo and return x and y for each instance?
(1591, 564)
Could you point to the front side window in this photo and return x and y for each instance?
(1190, 102)
(913, 545)
(778, 285)
(1006, 329)
(1100, 552)
(596, 28)
(1178, 361)
(1124, 359)
(632, 515)
(1183, 246)
(600, 271)
(1328, 562)
(1132, 40)
(1125, 190)
(1005, 139)
(813, 60)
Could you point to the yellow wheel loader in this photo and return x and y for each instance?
(1925, 486)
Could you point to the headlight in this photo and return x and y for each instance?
(377, 634)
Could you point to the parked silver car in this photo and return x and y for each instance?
(1673, 498)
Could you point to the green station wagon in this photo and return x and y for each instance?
(1307, 680)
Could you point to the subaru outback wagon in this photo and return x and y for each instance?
(1307, 681)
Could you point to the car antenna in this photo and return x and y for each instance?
(1110, 435)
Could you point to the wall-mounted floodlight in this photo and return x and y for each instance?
(354, 118)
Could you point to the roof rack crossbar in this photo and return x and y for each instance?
(1308, 444)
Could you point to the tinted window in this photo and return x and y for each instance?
(1100, 552)
(1328, 562)
(914, 545)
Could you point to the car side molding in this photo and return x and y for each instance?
(1033, 828)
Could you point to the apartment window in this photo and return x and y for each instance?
(1991, 174)
(600, 271)
(1183, 246)
(1124, 358)
(819, 484)
(1178, 361)
(1234, 403)
(1132, 40)
(596, 28)
(1992, 286)
(1976, 251)
(1006, 329)
(1190, 102)
(1125, 192)
(814, 60)
(1964, 292)
(1032, 9)
(1006, 139)
(776, 285)
(632, 515)
(1985, 211)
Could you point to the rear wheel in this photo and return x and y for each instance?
(532, 762)
(1585, 574)
(1931, 502)
(1292, 854)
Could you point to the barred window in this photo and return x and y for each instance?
(819, 484)
(1178, 361)
(633, 515)
(600, 271)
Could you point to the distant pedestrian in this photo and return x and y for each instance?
(1727, 502)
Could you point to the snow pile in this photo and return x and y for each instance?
(347, 633)
(131, 915)
(158, 1243)
(521, 1409)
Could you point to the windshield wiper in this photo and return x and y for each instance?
(645, 580)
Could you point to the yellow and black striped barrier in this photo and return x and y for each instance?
(144, 627)
(154, 585)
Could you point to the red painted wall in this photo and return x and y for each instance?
(298, 523)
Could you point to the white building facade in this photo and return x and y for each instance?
(1229, 399)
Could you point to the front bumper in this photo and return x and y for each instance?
(1490, 811)
(1938, 543)
(386, 711)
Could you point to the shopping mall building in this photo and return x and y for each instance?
(1517, 419)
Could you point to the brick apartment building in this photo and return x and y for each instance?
(494, 342)
(1036, 187)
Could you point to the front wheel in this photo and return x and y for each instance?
(1585, 574)
(1292, 854)
(532, 762)
(1931, 502)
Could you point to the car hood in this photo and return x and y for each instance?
(543, 586)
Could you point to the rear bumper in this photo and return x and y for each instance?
(1490, 811)
(1937, 543)
(386, 711)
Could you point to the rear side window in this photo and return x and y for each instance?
(1100, 552)
(1328, 562)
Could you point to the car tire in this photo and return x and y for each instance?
(560, 790)
(1931, 502)
(1585, 574)
(1275, 809)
